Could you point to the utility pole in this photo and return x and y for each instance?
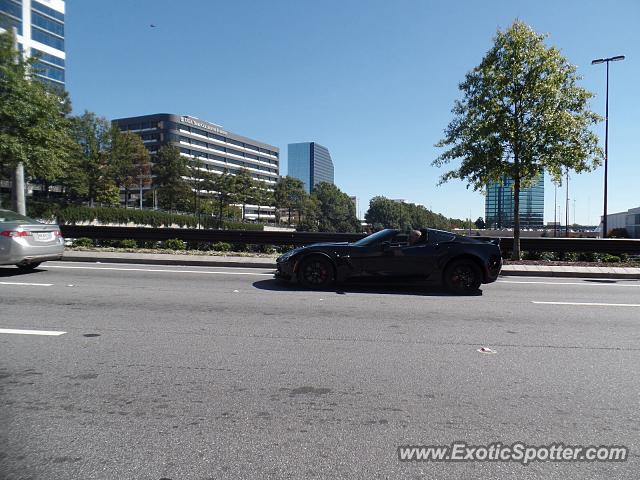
(18, 203)
(555, 210)
(566, 209)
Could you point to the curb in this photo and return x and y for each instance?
(529, 273)
(184, 263)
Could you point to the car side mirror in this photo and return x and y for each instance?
(386, 246)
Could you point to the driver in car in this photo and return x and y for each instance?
(414, 236)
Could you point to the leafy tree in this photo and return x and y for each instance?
(290, 194)
(261, 196)
(128, 160)
(385, 213)
(84, 176)
(224, 185)
(33, 128)
(479, 223)
(244, 185)
(522, 113)
(170, 170)
(336, 210)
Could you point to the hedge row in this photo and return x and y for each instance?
(71, 215)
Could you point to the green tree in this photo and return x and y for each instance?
(128, 160)
(522, 113)
(479, 223)
(261, 196)
(170, 171)
(337, 213)
(244, 185)
(290, 194)
(84, 176)
(384, 213)
(34, 129)
(224, 186)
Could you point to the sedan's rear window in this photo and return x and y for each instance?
(7, 216)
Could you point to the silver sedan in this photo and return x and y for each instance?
(26, 243)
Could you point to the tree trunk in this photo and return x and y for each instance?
(515, 254)
(289, 216)
(220, 213)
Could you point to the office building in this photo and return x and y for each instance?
(311, 163)
(40, 32)
(499, 205)
(217, 149)
(629, 221)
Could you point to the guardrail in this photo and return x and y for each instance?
(540, 244)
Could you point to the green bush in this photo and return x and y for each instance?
(587, 257)
(221, 247)
(175, 244)
(608, 258)
(83, 242)
(128, 243)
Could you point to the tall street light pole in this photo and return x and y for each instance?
(606, 136)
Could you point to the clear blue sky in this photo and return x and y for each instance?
(374, 81)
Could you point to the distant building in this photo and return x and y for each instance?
(40, 29)
(311, 163)
(629, 220)
(499, 205)
(216, 148)
(354, 200)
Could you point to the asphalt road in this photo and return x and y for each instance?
(207, 373)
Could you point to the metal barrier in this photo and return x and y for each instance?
(256, 237)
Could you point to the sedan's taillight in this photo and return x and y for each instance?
(57, 233)
(15, 233)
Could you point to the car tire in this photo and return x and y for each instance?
(316, 272)
(462, 277)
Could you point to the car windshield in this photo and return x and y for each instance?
(7, 216)
(373, 238)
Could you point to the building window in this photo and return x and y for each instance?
(47, 38)
(45, 57)
(49, 71)
(47, 11)
(12, 8)
(8, 23)
(47, 24)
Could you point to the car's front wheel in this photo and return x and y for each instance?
(462, 277)
(316, 272)
(27, 267)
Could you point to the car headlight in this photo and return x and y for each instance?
(286, 256)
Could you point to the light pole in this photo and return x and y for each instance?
(606, 135)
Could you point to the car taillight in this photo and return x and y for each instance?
(15, 233)
(57, 233)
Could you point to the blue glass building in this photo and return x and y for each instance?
(311, 163)
(499, 205)
(40, 32)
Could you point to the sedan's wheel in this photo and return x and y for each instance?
(463, 277)
(316, 272)
(27, 267)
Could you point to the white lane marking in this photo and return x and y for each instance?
(159, 270)
(594, 284)
(28, 284)
(590, 304)
(126, 264)
(31, 332)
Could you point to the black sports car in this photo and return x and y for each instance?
(461, 263)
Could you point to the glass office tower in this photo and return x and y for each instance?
(499, 205)
(311, 163)
(40, 29)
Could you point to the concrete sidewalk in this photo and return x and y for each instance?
(266, 262)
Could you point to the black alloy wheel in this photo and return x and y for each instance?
(463, 277)
(316, 272)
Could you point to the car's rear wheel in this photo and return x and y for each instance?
(462, 277)
(27, 267)
(316, 272)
